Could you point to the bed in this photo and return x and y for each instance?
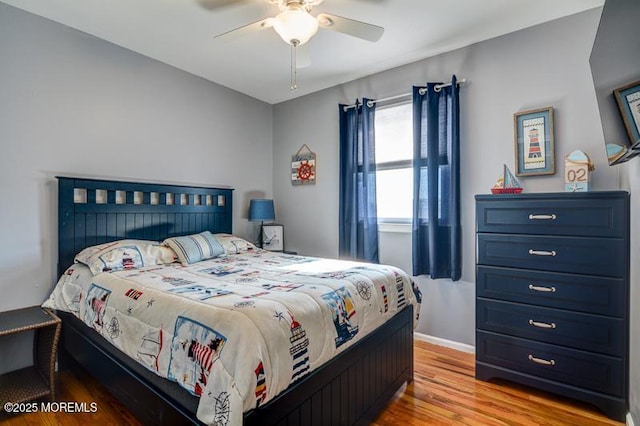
(350, 388)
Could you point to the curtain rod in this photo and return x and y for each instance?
(437, 88)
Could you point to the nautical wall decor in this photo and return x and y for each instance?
(303, 166)
(628, 100)
(533, 138)
(577, 172)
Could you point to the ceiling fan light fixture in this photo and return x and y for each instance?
(295, 26)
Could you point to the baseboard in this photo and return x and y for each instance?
(629, 419)
(463, 347)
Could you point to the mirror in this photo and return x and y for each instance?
(615, 67)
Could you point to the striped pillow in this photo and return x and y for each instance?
(194, 248)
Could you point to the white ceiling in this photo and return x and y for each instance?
(180, 33)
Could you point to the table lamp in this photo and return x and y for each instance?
(259, 211)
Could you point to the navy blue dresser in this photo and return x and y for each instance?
(552, 294)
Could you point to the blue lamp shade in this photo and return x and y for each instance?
(261, 210)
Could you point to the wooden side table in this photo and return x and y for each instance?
(38, 380)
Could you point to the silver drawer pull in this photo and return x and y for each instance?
(542, 252)
(542, 324)
(542, 217)
(541, 361)
(541, 288)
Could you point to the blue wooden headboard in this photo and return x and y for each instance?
(92, 211)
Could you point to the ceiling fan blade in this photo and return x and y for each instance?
(219, 4)
(303, 56)
(246, 29)
(351, 27)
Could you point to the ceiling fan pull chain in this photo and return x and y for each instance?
(294, 73)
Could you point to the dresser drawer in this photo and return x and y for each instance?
(592, 256)
(560, 215)
(600, 373)
(597, 295)
(572, 329)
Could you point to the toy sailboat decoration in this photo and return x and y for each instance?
(507, 184)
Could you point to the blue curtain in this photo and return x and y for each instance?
(436, 180)
(358, 228)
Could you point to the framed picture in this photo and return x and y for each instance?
(533, 137)
(628, 99)
(273, 237)
(303, 167)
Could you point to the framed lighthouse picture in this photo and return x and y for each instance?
(533, 137)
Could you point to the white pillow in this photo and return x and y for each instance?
(234, 245)
(125, 254)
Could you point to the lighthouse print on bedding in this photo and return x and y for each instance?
(194, 349)
(97, 298)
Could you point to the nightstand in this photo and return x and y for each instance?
(38, 380)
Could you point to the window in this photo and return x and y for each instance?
(394, 154)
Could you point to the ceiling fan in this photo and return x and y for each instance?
(296, 25)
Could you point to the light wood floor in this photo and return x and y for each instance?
(444, 392)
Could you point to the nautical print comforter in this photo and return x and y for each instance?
(238, 329)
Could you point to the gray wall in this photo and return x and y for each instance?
(72, 104)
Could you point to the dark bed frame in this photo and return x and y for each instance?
(350, 389)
